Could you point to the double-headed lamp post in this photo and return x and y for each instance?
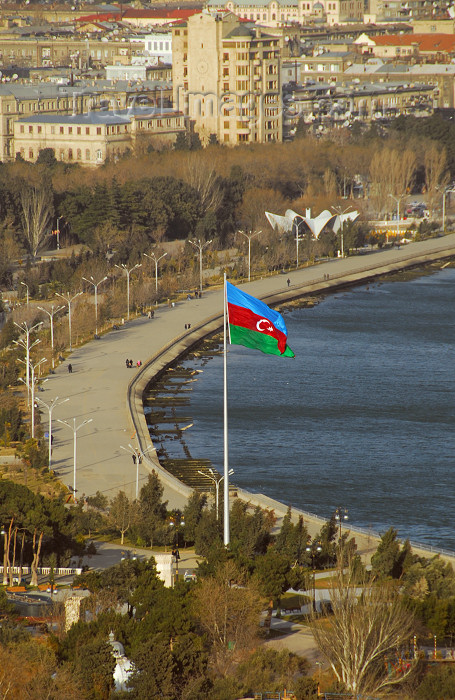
(313, 550)
(297, 225)
(123, 267)
(50, 407)
(341, 514)
(95, 286)
(33, 368)
(75, 429)
(51, 315)
(69, 300)
(249, 236)
(137, 455)
(156, 260)
(217, 479)
(340, 212)
(200, 247)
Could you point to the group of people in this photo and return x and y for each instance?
(187, 326)
(129, 363)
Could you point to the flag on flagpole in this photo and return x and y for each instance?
(254, 324)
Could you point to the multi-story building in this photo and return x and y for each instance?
(226, 78)
(157, 46)
(275, 13)
(94, 137)
(18, 101)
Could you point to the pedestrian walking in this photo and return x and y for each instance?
(70, 368)
(288, 281)
(134, 456)
(127, 362)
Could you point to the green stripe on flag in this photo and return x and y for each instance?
(257, 341)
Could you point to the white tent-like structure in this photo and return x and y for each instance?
(292, 221)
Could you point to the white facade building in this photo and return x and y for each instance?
(158, 47)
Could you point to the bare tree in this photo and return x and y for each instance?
(121, 512)
(37, 212)
(436, 173)
(392, 173)
(369, 623)
(204, 179)
(229, 614)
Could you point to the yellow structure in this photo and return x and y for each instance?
(226, 78)
(94, 137)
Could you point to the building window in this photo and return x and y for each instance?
(98, 131)
(61, 130)
(22, 129)
(87, 154)
(78, 130)
(87, 130)
(39, 129)
(70, 129)
(30, 129)
(78, 154)
(70, 154)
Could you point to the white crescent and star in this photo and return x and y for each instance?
(267, 327)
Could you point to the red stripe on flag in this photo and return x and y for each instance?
(240, 316)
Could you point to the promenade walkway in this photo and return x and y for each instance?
(98, 385)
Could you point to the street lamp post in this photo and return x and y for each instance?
(69, 300)
(137, 455)
(340, 213)
(50, 407)
(28, 293)
(32, 390)
(398, 200)
(74, 428)
(58, 231)
(51, 315)
(249, 236)
(95, 286)
(340, 515)
(297, 240)
(27, 347)
(217, 479)
(122, 266)
(156, 260)
(313, 550)
(200, 247)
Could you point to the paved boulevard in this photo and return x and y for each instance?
(97, 387)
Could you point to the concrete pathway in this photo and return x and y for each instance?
(97, 387)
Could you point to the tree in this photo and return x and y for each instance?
(121, 513)
(363, 630)
(152, 511)
(386, 560)
(46, 156)
(229, 615)
(37, 210)
(192, 514)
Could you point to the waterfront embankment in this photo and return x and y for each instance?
(103, 389)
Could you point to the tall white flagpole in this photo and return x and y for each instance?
(226, 452)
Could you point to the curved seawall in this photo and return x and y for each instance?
(337, 279)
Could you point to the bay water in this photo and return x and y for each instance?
(363, 418)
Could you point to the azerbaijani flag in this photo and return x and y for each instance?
(255, 325)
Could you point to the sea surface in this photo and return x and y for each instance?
(363, 418)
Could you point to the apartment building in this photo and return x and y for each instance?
(275, 13)
(92, 138)
(38, 51)
(226, 78)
